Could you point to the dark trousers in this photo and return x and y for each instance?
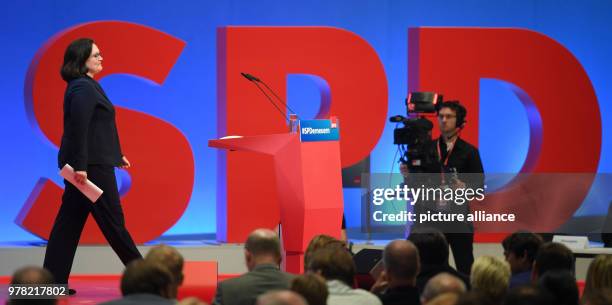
(462, 245)
(71, 218)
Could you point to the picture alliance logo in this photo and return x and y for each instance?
(310, 130)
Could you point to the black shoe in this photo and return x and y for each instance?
(71, 291)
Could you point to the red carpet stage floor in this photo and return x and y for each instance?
(94, 289)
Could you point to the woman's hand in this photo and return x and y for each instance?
(126, 163)
(80, 177)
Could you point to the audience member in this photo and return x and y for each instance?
(32, 275)
(552, 256)
(433, 250)
(443, 283)
(599, 276)
(474, 298)
(191, 301)
(281, 297)
(263, 255)
(337, 267)
(319, 242)
(170, 258)
(448, 298)
(311, 287)
(520, 250)
(145, 282)
(397, 282)
(490, 277)
(562, 285)
(600, 297)
(528, 295)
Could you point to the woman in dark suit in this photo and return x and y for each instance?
(90, 144)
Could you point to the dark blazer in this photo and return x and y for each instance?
(245, 289)
(90, 132)
(141, 299)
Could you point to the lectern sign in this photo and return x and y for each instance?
(319, 130)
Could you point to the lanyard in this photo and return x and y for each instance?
(444, 162)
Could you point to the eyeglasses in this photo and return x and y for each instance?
(446, 116)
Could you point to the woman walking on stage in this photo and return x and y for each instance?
(90, 144)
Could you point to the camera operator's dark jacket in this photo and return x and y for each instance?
(464, 157)
(464, 160)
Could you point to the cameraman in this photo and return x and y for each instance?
(454, 155)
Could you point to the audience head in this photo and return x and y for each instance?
(32, 275)
(333, 264)
(262, 247)
(475, 298)
(520, 250)
(599, 297)
(528, 295)
(443, 283)
(490, 276)
(562, 285)
(599, 275)
(191, 301)
(432, 246)
(311, 287)
(552, 256)
(170, 258)
(280, 297)
(443, 299)
(319, 242)
(401, 261)
(141, 276)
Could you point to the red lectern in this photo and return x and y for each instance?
(309, 186)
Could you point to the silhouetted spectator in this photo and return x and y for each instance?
(552, 256)
(433, 253)
(32, 275)
(337, 267)
(145, 282)
(397, 282)
(170, 258)
(520, 250)
(262, 254)
(312, 287)
(443, 283)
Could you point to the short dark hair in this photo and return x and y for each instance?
(432, 245)
(263, 244)
(319, 242)
(553, 256)
(455, 106)
(75, 57)
(334, 264)
(141, 276)
(523, 243)
(32, 275)
(312, 287)
(562, 285)
(170, 258)
(528, 295)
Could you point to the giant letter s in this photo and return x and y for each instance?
(163, 172)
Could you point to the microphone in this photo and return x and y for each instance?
(256, 80)
(250, 77)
